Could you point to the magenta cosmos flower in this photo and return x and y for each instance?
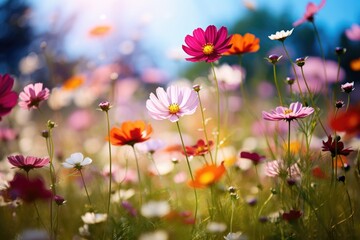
(207, 45)
(296, 110)
(172, 104)
(27, 163)
(8, 98)
(311, 10)
(33, 95)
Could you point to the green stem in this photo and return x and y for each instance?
(87, 193)
(321, 49)
(189, 167)
(348, 102)
(110, 162)
(277, 85)
(265, 203)
(294, 70)
(138, 173)
(312, 102)
(232, 215)
(288, 151)
(218, 113)
(204, 127)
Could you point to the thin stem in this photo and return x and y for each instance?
(204, 126)
(265, 203)
(138, 173)
(87, 193)
(288, 151)
(218, 113)
(312, 101)
(294, 70)
(348, 102)
(110, 161)
(321, 49)
(232, 215)
(189, 167)
(277, 85)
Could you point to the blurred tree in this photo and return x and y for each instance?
(15, 34)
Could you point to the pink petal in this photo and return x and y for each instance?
(193, 43)
(210, 34)
(199, 35)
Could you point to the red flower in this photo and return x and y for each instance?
(335, 147)
(207, 45)
(8, 98)
(292, 215)
(348, 121)
(207, 175)
(199, 149)
(317, 172)
(27, 163)
(243, 44)
(28, 190)
(130, 133)
(254, 157)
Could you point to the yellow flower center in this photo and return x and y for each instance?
(208, 49)
(174, 108)
(287, 111)
(206, 178)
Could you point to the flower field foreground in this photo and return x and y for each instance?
(191, 160)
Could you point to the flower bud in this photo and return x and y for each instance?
(273, 58)
(290, 80)
(105, 106)
(300, 61)
(339, 104)
(340, 51)
(45, 134)
(197, 88)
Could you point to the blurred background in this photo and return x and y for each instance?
(50, 41)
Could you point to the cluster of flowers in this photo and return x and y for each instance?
(175, 102)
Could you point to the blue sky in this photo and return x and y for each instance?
(163, 24)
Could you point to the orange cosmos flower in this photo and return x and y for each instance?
(130, 133)
(207, 175)
(243, 44)
(100, 30)
(355, 64)
(73, 82)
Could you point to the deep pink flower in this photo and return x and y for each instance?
(8, 98)
(292, 215)
(296, 110)
(33, 95)
(335, 147)
(207, 45)
(311, 10)
(27, 163)
(347, 87)
(353, 33)
(254, 157)
(28, 190)
(172, 104)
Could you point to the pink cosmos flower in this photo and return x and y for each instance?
(8, 98)
(311, 10)
(172, 104)
(277, 168)
(353, 33)
(33, 95)
(207, 45)
(27, 163)
(296, 110)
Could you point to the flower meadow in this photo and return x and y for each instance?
(203, 158)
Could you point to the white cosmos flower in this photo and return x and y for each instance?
(235, 236)
(155, 209)
(157, 235)
(92, 218)
(216, 227)
(229, 77)
(76, 160)
(282, 35)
